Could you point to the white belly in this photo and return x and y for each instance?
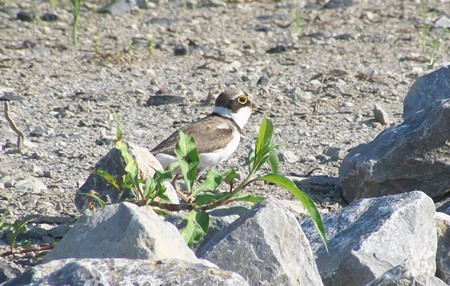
(207, 160)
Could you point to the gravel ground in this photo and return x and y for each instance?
(323, 83)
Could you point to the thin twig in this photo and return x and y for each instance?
(13, 126)
(28, 250)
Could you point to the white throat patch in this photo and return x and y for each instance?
(241, 117)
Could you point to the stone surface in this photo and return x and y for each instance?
(266, 247)
(380, 115)
(29, 185)
(370, 236)
(426, 91)
(287, 156)
(8, 270)
(406, 274)
(122, 231)
(443, 249)
(410, 156)
(219, 219)
(114, 164)
(117, 7)
(125, 272)
(118, 76)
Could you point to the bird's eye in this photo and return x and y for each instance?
(242, 99)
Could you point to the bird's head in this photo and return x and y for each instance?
(235, 104)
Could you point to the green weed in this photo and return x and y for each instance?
(206, 195)
(76, 13)
(298, 22)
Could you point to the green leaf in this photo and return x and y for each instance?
(197, 226)
(162, 176)
(247, 198)
(99, 201)
(212, 182)
(209, 197)
(229, 175)
(119, 133)
(274, 162)
(130, 164)
(172, 166)
(264, 135)
(306, 201)
(108, 177)
(149, 187)
(188, 158)
(263, 146)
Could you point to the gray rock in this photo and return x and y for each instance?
(114, 164)
(29, 185)
(219, 219)
(8, 270)
(370, 236)
(122, 231)
(443, 250)
(410, 156)
(286, 156)
(443, 206)
(147, 4)
(266, 247)
(117, 7)
(38, 131)
(380, 115)
(442, 22)
(335, 153)
(426, 91)
(332, 4)
(121, 271)
(406, 274)
(25, 16)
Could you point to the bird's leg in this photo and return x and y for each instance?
(179, 193)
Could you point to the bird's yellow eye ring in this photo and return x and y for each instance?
(242, 99)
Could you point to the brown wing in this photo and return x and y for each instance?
(210, 133)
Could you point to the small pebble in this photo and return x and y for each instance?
(380, 115)
(30, 185)
(335, 153)
(287, 157)
(25, 16)
(49, 17)
(180, 51)
(38, 131)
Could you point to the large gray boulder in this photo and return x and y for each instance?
(125, 272)
(219, 219)
(406, 274)
(426, 91)
(266, 246)
(443, 251)
(370, 236)
(114, 164)
(122, 231)
(410, 156)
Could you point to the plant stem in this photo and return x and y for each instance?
(13, 126)
(76, 13)
(28, 250)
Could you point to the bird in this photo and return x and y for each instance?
(216, 136)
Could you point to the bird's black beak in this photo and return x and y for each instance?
(255, 109)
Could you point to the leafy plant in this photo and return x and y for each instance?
(76, 13)
(429, 42)
(13, 230)
(298, 20)
(426, 27)
(53, 4)
(203, 196)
